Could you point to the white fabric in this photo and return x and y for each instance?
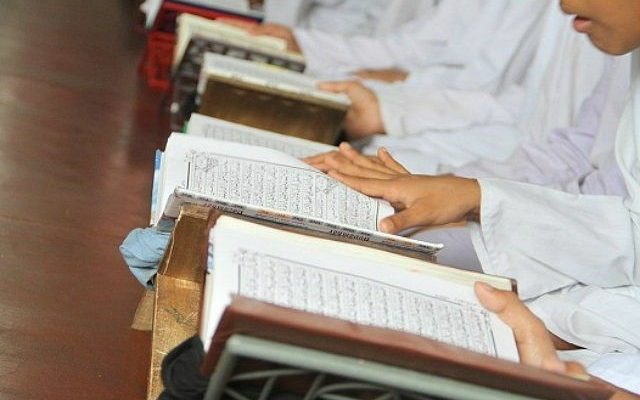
(454, 129)
(578, 159)
(345, 17)
(574, 255)
(619, 369)
(458, 250)
(432, 37)
(622, 370)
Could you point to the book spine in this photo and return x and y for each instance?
(183, 196)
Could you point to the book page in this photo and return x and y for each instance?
(352, 283)
(265, 75)
(266, 179)
(213, 128)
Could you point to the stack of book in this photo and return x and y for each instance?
(196, 36)
(288, 266)
(334, 311)
(161, 17)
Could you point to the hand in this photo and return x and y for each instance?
(350, 161)
(390, 75)
(274, 30)
(363, 118)
(532, 338)
(535, 343)
(420, 200)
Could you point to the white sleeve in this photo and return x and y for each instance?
(621, 370)
(419, 43)
(561, 160)
(408, 114)
(597, 319)
(328, 52)
(548, 240)
(345, 17)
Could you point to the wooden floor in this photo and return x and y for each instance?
(77, 134)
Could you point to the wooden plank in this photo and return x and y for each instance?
(176, 319)
(179, 286)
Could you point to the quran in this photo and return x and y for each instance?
(214, 128)
(357, 361)
(271, 185)
(266, 97)
(349, 282)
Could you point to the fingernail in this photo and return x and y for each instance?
(386, 225)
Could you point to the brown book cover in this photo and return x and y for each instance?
(270, 109)
(261, 320)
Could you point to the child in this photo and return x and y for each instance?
(574, 255)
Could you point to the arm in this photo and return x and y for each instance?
(536, 235)
(540, 236)
(566, 157)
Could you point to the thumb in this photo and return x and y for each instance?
(407, 218)
(490, 298)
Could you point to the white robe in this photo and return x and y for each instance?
(578, 159)
(574, 255)
(453, 35)
(452, 128)
(345, 17)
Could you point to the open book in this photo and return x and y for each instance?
(350, 282)
(271, 185)
(197, 36)
(345, 360)
(280, 100)
(234, 42)
(214, 128)
(264, 75)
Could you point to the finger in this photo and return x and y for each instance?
(266, 30)
(368, 186)
(390, 162)
(322, 166)
(410, 217)
(490, 298)
(576, 370)
(363, 161)
(318, 157)
(336, 86)
(346, 167)
(529, 331)
(238, 24)
(509, 309)
(362, 73)
(373, 159)
(333, 161)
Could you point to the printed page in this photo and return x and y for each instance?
(266, 179)
(352, 283)
(213, 128)
(265, 75)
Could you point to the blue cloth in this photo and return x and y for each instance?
(143, 250)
